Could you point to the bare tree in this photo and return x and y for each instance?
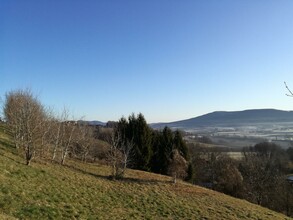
(114, 155)
(26, 117)
(178, 166)
(47, 127)
(84, 140)
(119, 154)
(62, 136)
(12, 114)
(68, 131)
(228, 179)
(56, 136)
(261, 169)
(127, 154)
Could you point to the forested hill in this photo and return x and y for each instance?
(233, 118)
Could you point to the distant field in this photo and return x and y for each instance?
(83, 191)
(240, 142)
(234, 145)
(236, 142)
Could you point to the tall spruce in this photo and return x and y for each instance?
(167, 148)
(157, 158)
(164, 144)
(142, 142)
(162, 148)
(137, 131)
(180, 145)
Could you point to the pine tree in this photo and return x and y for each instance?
(162, 148)
(142, 142)
(137, 131)
(180, 145)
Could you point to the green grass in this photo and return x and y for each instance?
(83, 191)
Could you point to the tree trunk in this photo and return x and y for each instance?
(54, 154)
(174, 179)
(28, 155)
(114, 171)
(28, 162)
(63, 158)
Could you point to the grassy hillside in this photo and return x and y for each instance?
(83, 191)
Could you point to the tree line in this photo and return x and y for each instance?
(39, 133)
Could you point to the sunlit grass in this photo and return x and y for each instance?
(84, 191)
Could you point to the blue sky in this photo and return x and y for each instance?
(168, 59)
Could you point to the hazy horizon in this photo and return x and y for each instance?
(159, 122)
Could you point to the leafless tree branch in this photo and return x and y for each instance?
(290, 92)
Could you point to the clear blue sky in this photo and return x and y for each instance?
(169, 59)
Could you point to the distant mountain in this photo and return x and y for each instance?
(93, 123)
(232, 119)
(97, 123)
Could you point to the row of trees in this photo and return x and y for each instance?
(40, 133)
(259, 177)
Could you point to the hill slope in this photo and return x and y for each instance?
(236, 118)
(83, 191)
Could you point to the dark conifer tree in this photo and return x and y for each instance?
(162, 147)
(143, 143)
(121, 127)
(166, 149)
(190, 173)
(156, 148)
(137, 131)
(180, 145)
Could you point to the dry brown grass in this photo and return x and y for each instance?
(84, 191)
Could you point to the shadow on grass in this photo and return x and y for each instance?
(142, 181)
(14, 160)
(6, 144)
(123, 179)
(85, 172)
(9, 147)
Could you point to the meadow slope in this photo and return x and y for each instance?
(83, 191)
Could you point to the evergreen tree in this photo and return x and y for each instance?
(166, 149)
(162, 148)
(137, 131)
(180, 145)
(156, 147)
(142, 143)
(121, 128)
(190, 173)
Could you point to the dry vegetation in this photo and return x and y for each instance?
(84, 191)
